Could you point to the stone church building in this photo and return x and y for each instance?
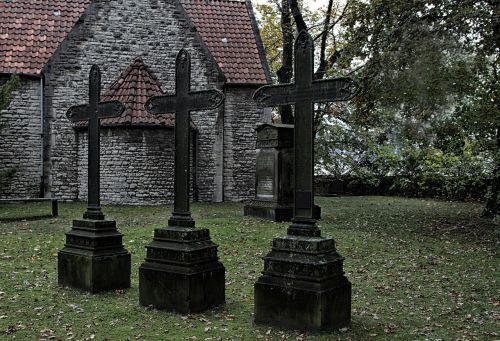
(52, 44)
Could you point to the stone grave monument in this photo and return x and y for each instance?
(303, 284)
(93, 258)
(274, 174)
(182, 272)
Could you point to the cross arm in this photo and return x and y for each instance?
(273, 95)
(161, 104)
(205, 100)
(331, 90)
(195, 100)
(105, 109)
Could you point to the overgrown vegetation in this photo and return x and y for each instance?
(420, 269)
(429, 111)
(5, 98)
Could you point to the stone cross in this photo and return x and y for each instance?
(182, 103)
(93, 112)
(303, 93)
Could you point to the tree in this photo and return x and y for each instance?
(295, 17)
(421, 60)
(429, 74)
(5, 98)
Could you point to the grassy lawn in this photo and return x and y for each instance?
(420, 269)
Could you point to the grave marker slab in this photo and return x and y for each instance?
(303, 284)
(274, 174)
(181, 272)
(93, 258)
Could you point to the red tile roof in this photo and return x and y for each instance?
(134, 86)
(31, 31)
(226, 29)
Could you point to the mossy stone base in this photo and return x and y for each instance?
(180, 289)
(93, 273)
(181, 272)
(303, 286)
(93, 258)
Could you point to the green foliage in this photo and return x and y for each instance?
(5, 98)
(270, 32)
(434, 173)
(428, 113)
(379, 161)
(417, 58)
(270, 29)
(7, 89)
(420, 268)
(429, 110)
(6, 176)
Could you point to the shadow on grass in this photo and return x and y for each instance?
(26, 218)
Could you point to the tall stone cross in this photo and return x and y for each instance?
(182, 103)
(93, 112)
(303, 94)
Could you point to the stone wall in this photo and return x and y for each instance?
(111, 34)
(20, 141)
(241, 118)
(137, 166)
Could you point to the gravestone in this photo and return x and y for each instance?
(93, 258)
(182, 272)
(274, 174)
(303, 284)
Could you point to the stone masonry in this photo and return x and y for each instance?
(20, 141)
(112, 34)
(137, 165)
(239, 143)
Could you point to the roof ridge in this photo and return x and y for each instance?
(223, 29)
(137, 64)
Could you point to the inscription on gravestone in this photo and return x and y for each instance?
(273, 189)
(265, 174)
(303, 284)
(274, 174)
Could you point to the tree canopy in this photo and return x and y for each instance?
(429, 113)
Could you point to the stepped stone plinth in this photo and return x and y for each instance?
(182, 272)
(93, 258)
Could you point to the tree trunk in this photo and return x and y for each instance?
(297, 15)
(320, 72)
(491, 208)
(286, 71)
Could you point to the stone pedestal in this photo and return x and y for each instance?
(303, 285)
(181, 272)
(93, 258)
(274, 174)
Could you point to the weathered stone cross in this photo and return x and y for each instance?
(304, 93)
(182, 103)
(93, 112)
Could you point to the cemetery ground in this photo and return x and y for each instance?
(420, 269)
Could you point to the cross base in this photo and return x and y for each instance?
(181, 219)
(93, 214)
(305, 227)
(303, 286)
(93, 258)
(181, 272)
(274, 211)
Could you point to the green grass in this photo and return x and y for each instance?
(420, 269)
